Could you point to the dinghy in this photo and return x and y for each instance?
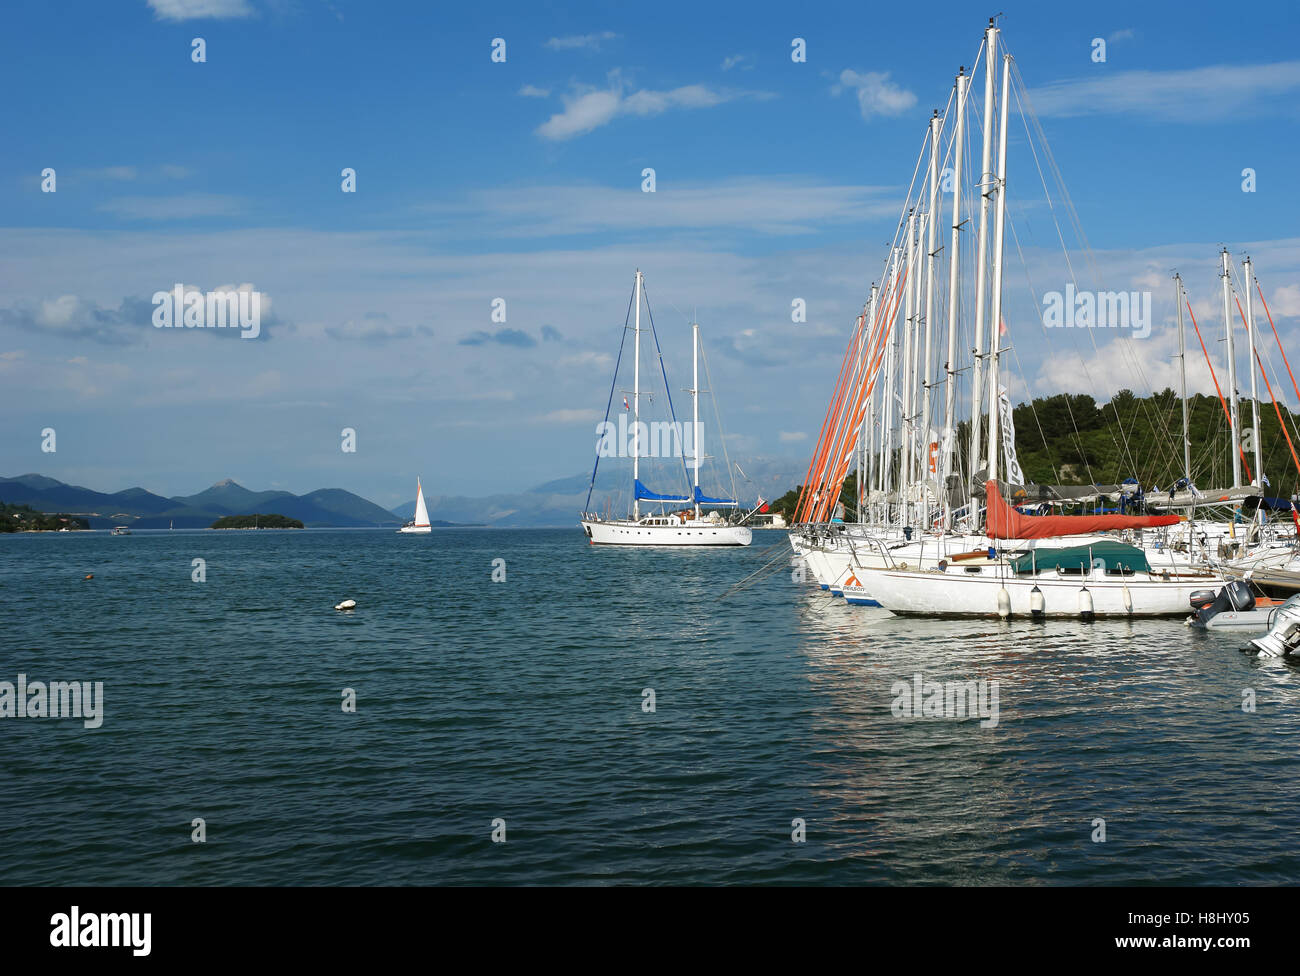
(1234, 607)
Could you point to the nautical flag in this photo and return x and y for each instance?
(1002, 326)
(1014, 474)
(1264, 478)
(625, 404)
(762, 505)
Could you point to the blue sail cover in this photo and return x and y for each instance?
(645, 494)
(702, 499)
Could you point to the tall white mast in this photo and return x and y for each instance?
(995, 317)
(1256, 439)
(861, 451)
(1233, 419)
(981, 260)
(914, 367)
(904, 417)
(930, 243)
(887, 395)
(695, 402)
(636, 404)
(950, 393)
(1182, 361)
(871, 400)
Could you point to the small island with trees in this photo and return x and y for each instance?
(24, 518)
(256, 522)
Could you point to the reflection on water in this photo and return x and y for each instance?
(523, 700)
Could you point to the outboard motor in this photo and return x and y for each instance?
(1284, 636)
(1234, 596)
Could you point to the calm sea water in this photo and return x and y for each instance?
(522, 700)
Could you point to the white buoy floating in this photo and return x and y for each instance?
(1037, 604)
(346, 605)
(1085, 604)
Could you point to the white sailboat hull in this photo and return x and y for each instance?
(415, 529)
(961, 595)
(629, 533)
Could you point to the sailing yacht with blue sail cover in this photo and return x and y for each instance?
(678, 519)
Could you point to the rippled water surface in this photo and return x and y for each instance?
(522, 700)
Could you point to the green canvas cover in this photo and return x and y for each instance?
(1116, 555)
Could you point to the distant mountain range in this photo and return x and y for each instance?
(558, 503)
(553, 504)
(143, 509)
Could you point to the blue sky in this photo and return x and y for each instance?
(521, 180)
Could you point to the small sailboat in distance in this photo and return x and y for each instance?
(421, 521)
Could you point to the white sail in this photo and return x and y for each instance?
(421, 513)
(420, 523)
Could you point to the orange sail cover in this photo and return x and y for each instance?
(1004, 522)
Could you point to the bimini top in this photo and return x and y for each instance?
(1113, 556)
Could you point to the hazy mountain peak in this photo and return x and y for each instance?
(323, 507)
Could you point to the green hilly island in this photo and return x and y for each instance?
(269, 521)
(24, 518)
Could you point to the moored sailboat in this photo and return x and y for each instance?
(670, 525)
(921, 544)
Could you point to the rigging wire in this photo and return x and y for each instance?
(613, 383)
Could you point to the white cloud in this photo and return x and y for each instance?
(584, 415)
(769, 205)
(1286, 301)
(130, 174)
(1124, 34)
(582, 113)
(730, 62)
(76, 318)
(179, 207)
(877, 95)
(532, 91)
(122, 174)
(790, 436)
(373, 327)
(1139, 365)
(415, 390)
(590, 42)
(1187, 95)
(197, 9)
(587, 108)
(593, 360)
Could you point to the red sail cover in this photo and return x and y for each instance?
(1004, 522)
